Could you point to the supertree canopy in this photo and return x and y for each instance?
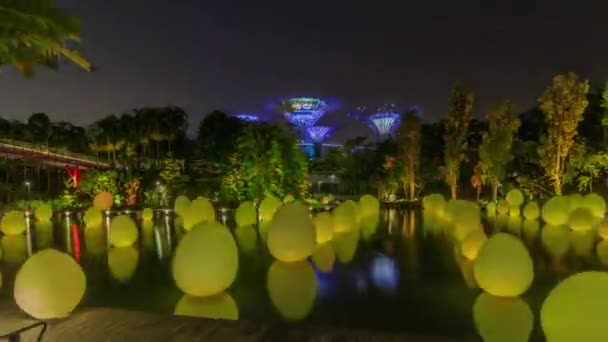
(318, 134)
(248, 117)
(303, 112)
(383, 122)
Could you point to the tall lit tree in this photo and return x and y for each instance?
(495, 149)
(604, 105)
(460, 109)
(408, 142)
(563, 104)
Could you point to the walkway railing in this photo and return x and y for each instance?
(32, 151)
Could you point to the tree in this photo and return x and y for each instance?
(495, 149)
(455, 137)
(563, 104)
(217, 137)
(39, 129)
(408, 142)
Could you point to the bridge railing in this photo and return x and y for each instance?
(49, 151)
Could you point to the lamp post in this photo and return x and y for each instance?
(28, 187)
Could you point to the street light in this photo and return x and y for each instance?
(28, 187)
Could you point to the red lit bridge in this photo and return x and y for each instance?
(25, 151)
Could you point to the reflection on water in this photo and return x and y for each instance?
(122, 262)
(220, 306)
(14, 248)
(292, 288)
(502, 319)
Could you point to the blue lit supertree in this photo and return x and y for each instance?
(383, 122)
(303, 112)
(248, 117)
(318, 134)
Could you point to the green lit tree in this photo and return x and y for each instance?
(408, 141)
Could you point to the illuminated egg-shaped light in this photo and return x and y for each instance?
(207, 209)
(205, 261)
(13, 223)
(103, 201)
(291, 234)
(472, 244)
(44, 212)
(245, 214)
(501, 222)
(576, 308)
(595, 203)
(502, 207)
(191, 216)
(466, 270)
(582, 242)
(465, 217)
(384, 274)
(289, 199)
(345, 217)
(500, 319)
(602, 252)
(345, 245)
(292, 288)
(50, 284)
(324, 226)
(14, 248)
(220, 306)
(93, 217)
(581, 219)
(602, 229)
(147, 214)
(515, 198)
(531, 229)
(556, 210)
(44, 234)
(368, 226)
(268, 207)
(123, 231)
(246, 238)
(122, 262)
(514, 225)
(434, 202)
(147, 235)
(95, 240)
(324, 257)
(504, 267)
(491, 209)
(181, 203)
(555, 240)
(325, 200)
(576, 201)
(368, 206)
(515, 211)
(531, 211)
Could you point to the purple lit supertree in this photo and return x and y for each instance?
(303, 112)
(248, 117)
(318, 134)
(383, 122)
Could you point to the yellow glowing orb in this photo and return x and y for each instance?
(95, 240)
(531, 229)
(289, 199)
(602, 252)
(500, 319)
(531, 211)
(147, 214)
(581, 219)
(292, 288)
(44, 212)
(555, 240)
(50, 284)
(200, 211)
(325, 200)
(268, 207)
(324, 257)
(123, 231)
(13, 223)
(44, 234)
(576, 201)
(502, 207)
(515, 198)
(345, 217)
(345, 245)
(103, 201)
(434, 202)
(368, 226)
(93, 217)
(206, 260)
(514, 211)
(181, 203)
(491, 209)
(582, 242)
(556, 210)
(514, 225)
(602, 229)
(324, 226)
(368, 206)
(595, 203)
(465, 217)
(246, 238)
(471, 245)
(501, 222)
(14, 248)
(291, 234)
(147, 235)
(122, 262)
(246, 214)
(504, 267)
(220, 306)
(576, 308)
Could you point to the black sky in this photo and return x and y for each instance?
(244, 55)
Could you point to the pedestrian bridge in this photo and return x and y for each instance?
(50, 156)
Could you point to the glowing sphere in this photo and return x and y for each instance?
(95, 240)
(291, 234)
(181, 203)
(595, 203)
(368, 226)
(515, 198)
(602, 229)
(44, 234)
(435, 203)
(345, 217)
(465, 217)
(324, 257)
(582, 242)
(147, 214)
(531, 211)
(44, 212)
(576, 201)
(292, 288)
(514, 225)
(14, 248)
(246, 238)
(123, 231)
(502, 207)
(147, 235)
(501, 222)
(384, 274)
(502, 319)
(93, 217)
(324, 226)
(289, 199)
(205, 209)
(471, 245)
(268, 207)
(205, 261)
(103, 201)
(245, 214)
(122, 262)
(13, 223)
(556, 210)
(602, 252)
(514, 211)
(504, 267)
(368, 206)
(491, 209)
(325, 200)
(345, 245)
(581, 219)
(576, 308)
(555, 240)
(220, 306)
(50, 284)
(531, 229)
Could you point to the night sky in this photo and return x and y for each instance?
(245, 55)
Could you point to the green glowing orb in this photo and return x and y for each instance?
(602, 229)
(268, 207)
(324, 257)
(93, 217)
(13, 223)
(576, 308)
(246, 238)
(434, 203)
(147, 214)
(465, 217)
(502, 207)
(581, 219)
(556, 210)
(504, 267)
(555, 240)
(595, 203)
(291, 234)
(345, 217)
(368, 226)
(602, 252)
(368, 206)
(582, 242)
(324, 226)
(181, 203)
(123, 231)
(514, 211)
(531, 211)
(531, 229)
(95, 240)
(44, 212)
(515, 198)
(44, 234)
(501, 222)
(220, 306)
(103, 201)
(50, 284)
(576, 201)
(14, 248)
(289, 199)
(205, 209)
(206, 260)
(292, 288)
(500, 319)
(246, 214)
(491, 209)
(122, 262)
(514, 225)
(471, 245)
(325, 200)
(345, 245)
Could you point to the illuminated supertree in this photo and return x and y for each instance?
(248, 117)
(318, 134)
(303, 112)
(383, 123)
